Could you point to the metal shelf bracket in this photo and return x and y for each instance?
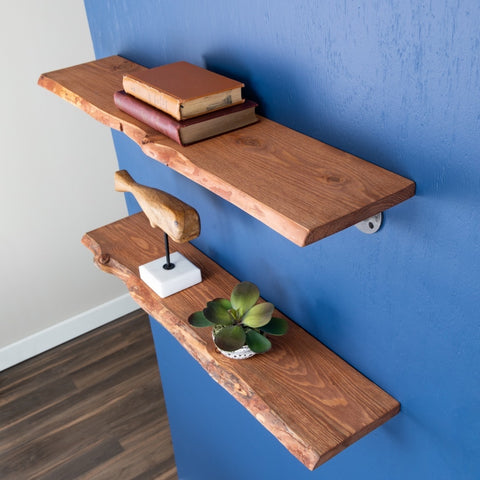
(370, 225)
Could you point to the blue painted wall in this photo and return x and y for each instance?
(394, 82)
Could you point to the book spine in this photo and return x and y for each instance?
(152, 96)
(149, 115)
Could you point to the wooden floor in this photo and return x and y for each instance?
(92, 408)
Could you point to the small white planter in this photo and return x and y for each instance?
(240, 354)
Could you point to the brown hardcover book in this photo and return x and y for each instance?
(183, 90)
(191, 130)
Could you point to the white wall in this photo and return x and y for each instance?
(56, 177)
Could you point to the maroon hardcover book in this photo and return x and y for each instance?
(185, 132)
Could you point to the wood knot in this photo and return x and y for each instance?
(104, 258)
(333, 179)
(249, 141)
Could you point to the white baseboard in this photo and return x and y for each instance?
(64, 331)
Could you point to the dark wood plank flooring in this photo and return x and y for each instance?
(91, 408)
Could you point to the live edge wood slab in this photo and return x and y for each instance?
(300, 187)
(311, 400)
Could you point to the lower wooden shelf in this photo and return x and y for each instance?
(311, 400)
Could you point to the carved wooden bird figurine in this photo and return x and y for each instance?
(177, 219)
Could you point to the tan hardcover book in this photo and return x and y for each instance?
(183, 90)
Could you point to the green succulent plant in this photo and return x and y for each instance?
(240, 320)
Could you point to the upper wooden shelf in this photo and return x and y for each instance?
(310, 399)
(302, 188)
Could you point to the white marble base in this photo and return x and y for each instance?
(167, 282)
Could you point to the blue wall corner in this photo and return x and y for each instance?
(394, 83)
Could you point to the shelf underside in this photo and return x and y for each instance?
(311, 400)
(300, 187)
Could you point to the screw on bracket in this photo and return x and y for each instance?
(370, 225)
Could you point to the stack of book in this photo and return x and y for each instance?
(185, 102)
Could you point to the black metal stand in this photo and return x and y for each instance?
(169, 265)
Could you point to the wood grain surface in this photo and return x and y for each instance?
(90, 409)
(310, 399)
(298, 186)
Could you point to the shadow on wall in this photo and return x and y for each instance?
(262, 77)
(305, 106)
